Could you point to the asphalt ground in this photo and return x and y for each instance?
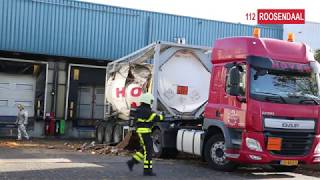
(47, 161)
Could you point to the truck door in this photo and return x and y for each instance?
(234, 111)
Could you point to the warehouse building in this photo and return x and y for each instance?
(53, 55)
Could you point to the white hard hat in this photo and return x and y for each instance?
(146, 98)
(20, 106)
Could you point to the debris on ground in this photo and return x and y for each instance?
(94, 148)
(16, 144)
(127, 145)
(69, 145)
(129, 142)
(50, 147)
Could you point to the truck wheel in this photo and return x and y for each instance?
(215, 156)
(158, 150)
(280, 168)
(117, 134)
(157, 146)
(100, 134)
(108, 134)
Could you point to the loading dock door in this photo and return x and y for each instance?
(99, 105)
(16, 89)
(90, 102)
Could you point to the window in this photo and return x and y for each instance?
(284, 87)
(243, 72)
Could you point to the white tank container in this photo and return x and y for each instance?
(184, 82)
(177, 75)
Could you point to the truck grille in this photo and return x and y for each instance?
(293, 143)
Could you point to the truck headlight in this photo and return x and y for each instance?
(253, 144)
(317, 149)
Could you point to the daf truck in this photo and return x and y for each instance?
(248, 100)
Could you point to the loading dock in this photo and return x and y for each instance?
(22, 82)
(85, 98)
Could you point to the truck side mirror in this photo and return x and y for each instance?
(234, 81)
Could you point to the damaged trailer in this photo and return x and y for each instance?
(177, 75)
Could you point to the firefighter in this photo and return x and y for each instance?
(22, 122)
(144, 121)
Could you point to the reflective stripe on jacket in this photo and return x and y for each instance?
(144, 125)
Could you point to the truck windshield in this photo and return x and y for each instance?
(284, 87)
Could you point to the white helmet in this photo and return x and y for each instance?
(20, 106)
(146, 98)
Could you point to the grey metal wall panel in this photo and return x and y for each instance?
(86, 30)
(307, 33)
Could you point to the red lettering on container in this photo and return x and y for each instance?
(136, 91)
(122, 91)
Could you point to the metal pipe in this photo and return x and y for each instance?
(55, 88)
(67, 95)
(105, 96)
(88, 66)
(46, 92)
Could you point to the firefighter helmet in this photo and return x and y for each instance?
(146, 98)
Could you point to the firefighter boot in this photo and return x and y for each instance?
(148, 172)
(131, 163)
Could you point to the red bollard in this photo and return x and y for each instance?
(51, 124)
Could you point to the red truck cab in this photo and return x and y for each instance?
(263, 105)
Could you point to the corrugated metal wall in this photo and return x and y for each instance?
(86, 30)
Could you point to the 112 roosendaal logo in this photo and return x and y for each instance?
(278, 16)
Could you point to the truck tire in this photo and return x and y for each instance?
(280, 168)
(215, 156)
(117, 134)
(99, 134)
(158, 150)
(108, 133)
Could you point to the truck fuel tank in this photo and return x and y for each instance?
(189, 141)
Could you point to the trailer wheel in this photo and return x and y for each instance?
(215, 156)
(100, 134)
(108, 134)
(117, 134)
(158, 150)
(280, 168)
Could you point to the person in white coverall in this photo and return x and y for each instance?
(22, 122)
